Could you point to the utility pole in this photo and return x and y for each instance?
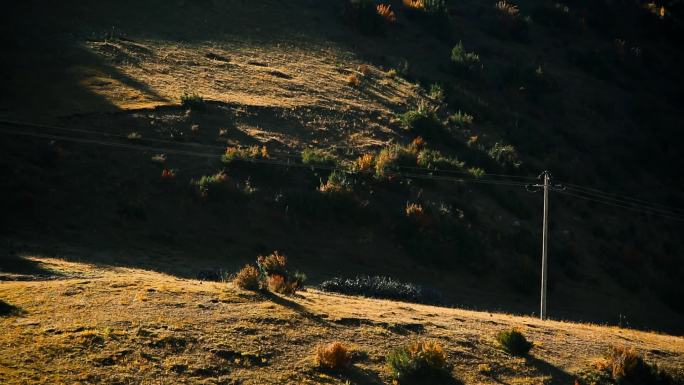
(546, 177)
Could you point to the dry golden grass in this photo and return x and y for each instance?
(89, 327)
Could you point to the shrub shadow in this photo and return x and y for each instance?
(292, 305)
(7, 310)
(14, 264)
(558, 375)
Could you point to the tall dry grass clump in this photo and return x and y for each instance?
(248, 278)
(332, 356)
(414, 4)
(385, 11)
(278, 278)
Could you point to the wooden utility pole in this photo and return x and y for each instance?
(545, 240)
(546, 177)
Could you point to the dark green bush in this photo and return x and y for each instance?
(421, 121)
(463, 60)
(513, 342)
(383, 287)
(420, 360)
(318, 157)
(192, 101)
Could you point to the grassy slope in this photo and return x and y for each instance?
(100, 324)
(282, 70)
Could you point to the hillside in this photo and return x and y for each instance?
(99, 324)
(188, 137)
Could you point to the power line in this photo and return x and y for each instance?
(636, 209)
(430, 174)
(620, 198)
(221, 148)
(263, 161)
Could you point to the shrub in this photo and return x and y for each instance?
(208, 184)
(133, 136)
(192, 101)
(418, 360)
(510, 23)
(273, 269)
(318, 157)
(337, 183)
(476, 172)
(433, 159)
(504, 154)
(245, 153)
(463, 60)
(332, 356)
(392, 157)
(382, 287)
(354, 80)
(422, 120)
(436, 93)
(365, 162)
(414, 4)
(385, 11)
(624, 366)
(461, 119)
(272, 264)
(363, 15)
(248, 278)
(513, 342)
(168, 174)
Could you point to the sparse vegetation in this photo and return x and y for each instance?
(365, 163)
(461, 119)
(318, 157)
(245, 154)
(422, 121)
(505, 155)
(192, 101)
(383, 287)
(422, 360)
(332, 356)
(354, 80)
(624, 366)
(133, 136)
(513, 342)
(436, 93)
(210, 185)
(463, 60)
(248, 278)
(385, 11)
(337, 183)
(433, 159)
(279, 279)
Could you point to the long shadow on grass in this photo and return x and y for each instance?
(558, 375)
(543, 368)
(25, 268)
(299, 309)
(7, 310)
